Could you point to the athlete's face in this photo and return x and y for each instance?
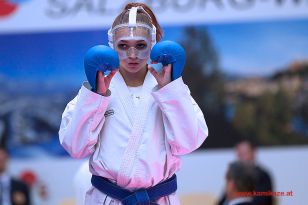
(136, 52)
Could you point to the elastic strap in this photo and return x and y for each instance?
(132, 18)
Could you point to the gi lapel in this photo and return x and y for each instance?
(124, 96)
(139, 120)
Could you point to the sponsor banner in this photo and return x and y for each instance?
(47, 15)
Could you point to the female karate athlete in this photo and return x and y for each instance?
(137, 122)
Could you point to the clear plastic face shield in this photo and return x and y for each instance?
(132, 39)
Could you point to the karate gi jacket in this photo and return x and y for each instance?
(133, 146)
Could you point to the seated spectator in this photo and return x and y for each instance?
(12, 190)
(240, 183)
(246, 152)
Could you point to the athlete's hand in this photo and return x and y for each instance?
(103, 82)
(164, 76)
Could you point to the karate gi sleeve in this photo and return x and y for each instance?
(82, 121)
(184, 123)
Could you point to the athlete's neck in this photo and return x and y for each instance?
(134, 79)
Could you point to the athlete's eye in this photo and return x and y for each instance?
(141, 46)
(122, 46)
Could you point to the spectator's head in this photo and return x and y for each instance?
(3, 159)
(245, 151)
(240, 180)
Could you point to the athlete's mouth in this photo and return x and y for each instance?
(133, 63)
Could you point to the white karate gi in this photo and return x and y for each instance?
(133, 146)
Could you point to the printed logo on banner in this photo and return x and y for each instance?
(8, 7)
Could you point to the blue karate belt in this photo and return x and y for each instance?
(139, 197)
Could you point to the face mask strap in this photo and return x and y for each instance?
(132, 18)
(110, 38)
